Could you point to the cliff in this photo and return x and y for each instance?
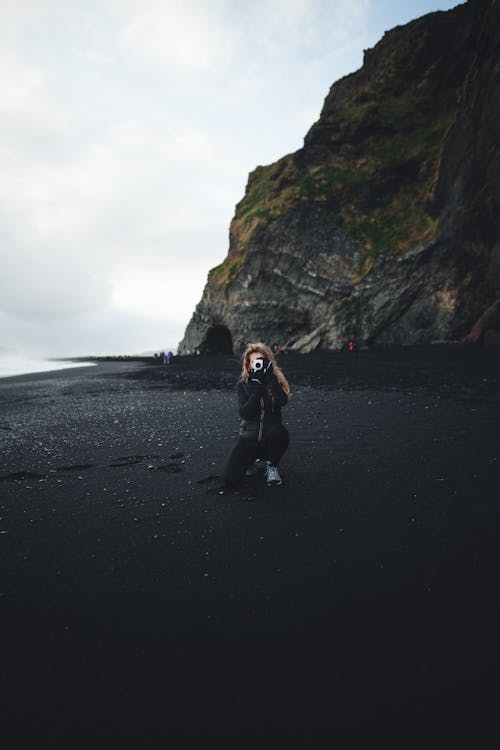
(384, 227)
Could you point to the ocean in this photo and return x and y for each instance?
(14, 364)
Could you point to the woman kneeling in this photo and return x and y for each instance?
(262, 391)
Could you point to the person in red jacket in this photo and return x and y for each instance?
(262, 392)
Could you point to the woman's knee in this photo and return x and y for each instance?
(280, 436)
(238, 461)
(232, 475)
(232, 471)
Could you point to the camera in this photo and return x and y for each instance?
(261, 365)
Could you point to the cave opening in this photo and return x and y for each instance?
(217, 341)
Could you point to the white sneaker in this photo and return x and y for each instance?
(272, 474)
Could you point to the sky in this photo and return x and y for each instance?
(128, 130)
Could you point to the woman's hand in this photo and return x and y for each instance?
(256, 384)
(261, 376)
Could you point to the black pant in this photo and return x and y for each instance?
(272, 446)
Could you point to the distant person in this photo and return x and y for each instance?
(262, 391)
(164, 358)
(170, 357)
(349, 346)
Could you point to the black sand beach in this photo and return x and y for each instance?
(141, 601)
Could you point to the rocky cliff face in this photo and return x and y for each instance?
(385, 226)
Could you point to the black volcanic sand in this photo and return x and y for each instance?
(140, 601)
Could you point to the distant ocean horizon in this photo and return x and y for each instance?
(18, 364)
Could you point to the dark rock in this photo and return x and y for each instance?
(488, 326)
(385, 227)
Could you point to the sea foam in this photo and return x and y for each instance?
(13, 364)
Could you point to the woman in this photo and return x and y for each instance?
(262, 391)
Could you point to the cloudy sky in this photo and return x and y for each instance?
(128, 129)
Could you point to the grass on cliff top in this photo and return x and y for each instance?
(379, 161)
(379, 196)
(227, 271)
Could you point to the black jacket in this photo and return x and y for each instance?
(260, 407)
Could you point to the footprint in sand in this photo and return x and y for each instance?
(210, 478)
(130, 460)
(173, 467)
(169, 468)
(21, 475)
(75, 467)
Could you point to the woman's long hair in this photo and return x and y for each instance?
(268, 354)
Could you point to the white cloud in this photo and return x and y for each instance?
(181, 34)
(22, 87)
(127, 131)
(162, 289)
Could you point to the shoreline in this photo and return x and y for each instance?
(442, 368)
(436, 354)
(40, 373)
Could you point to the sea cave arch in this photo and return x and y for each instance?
(217, 340)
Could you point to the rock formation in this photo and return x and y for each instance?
(385, 226)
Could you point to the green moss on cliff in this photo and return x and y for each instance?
(227, 271)
(385, 181)
(372, 159)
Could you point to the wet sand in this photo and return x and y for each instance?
(141, 601)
